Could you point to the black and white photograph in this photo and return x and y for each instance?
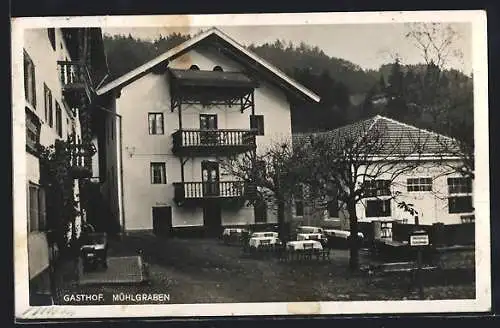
(259, 164)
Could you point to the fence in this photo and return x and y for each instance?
(439, 234)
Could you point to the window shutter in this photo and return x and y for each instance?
(42, 210)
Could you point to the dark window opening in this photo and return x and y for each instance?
(58, 120)
(257, 124)
(299, 208)
(29, 80)
(374, 188)
(459, 185)
(260, 211)
(419, 184)
(155, 123)
(460, 204)
(333, 211)
(158, 173)
(378, 208)
(48, 103)
(52, 37)
(37, 214)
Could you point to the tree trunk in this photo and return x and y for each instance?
(282, 229)
(353, 242)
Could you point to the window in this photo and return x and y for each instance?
(260, 211)
(376, 188)
(257, 123)
(218, 69)
(33, 126)
(36, 213)
(299, 208)
(29, 80)
(461, 204)
(51, 32)
(155, 123)
(333, 211)
(158, 174)
(58, 119)
(419, 184)
(459, 185)
(378, 208)
(48, 102)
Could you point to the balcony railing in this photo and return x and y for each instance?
(78, 157)
(73, 74)
(203, 141)
(205, 190)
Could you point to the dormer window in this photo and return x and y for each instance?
(218, 69)
(194, 68)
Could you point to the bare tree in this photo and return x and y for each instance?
(437, 45)
(357, 161)
(435, 41)
(270, 176)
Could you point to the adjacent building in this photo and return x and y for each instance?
(439, 193)
(172, 120)
(61, 69)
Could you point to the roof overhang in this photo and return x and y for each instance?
(227, 46)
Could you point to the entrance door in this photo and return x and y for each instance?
(162, 220)
(210, 178)
(212, 218)
(208, 125)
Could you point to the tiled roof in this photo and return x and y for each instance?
(384, 136)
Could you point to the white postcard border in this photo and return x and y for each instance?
(481, 191)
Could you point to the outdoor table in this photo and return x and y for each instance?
(309, 236)
(341, 233)
(230, 231)
(303, 248)
(233, 235)
(304, 244)
(309, 229)
(257, 242)
(268, 234)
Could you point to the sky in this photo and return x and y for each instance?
(367, 45)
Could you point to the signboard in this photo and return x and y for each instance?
(419, 240)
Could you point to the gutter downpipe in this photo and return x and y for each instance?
(121, 194)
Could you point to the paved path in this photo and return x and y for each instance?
(121, 270)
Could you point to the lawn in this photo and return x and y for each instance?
(207, 271)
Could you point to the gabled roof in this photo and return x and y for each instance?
(392, 137)
(249, 57)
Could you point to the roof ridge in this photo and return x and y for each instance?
(415, 127)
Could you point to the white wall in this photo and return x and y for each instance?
(38, 47)
(432, 206)
(44, 57)
(151, 94)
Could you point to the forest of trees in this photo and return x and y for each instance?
(424, 95)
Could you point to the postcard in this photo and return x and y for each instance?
(250, 164)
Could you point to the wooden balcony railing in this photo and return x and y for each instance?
(226, 140)
(73, 74)
(204, 190)
(79, 155)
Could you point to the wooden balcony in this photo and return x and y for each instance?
(79, 156)
(75, 79)
(193, 191)
(222, 142)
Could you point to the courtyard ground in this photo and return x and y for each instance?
(207, 271)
